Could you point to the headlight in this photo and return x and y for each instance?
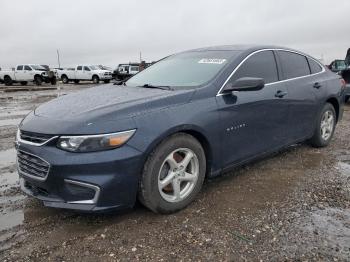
(91, 143)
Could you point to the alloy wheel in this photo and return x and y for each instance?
(327, 125)
(178, 175)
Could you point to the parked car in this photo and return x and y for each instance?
(192, 115)
(346, 76)
(337, 65)
(27, 73)
(85, 72)
(125, 71)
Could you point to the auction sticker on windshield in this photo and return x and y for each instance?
(211, 61)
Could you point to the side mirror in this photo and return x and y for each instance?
(245, 84)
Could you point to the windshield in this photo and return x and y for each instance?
(37, 67)
(184, 70)
(93, 67)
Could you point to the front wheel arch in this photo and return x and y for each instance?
(334, 102)
(195, 132)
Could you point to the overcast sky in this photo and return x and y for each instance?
(113, 32)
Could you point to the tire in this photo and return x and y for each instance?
(95, 79)
(24, 83)
(162, 198)
(8, 81)
(76, 81)
(53, 81)
(327, 119)
(38, 80)
(347, 99)
(106, 81)
(64, 79)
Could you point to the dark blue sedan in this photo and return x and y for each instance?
(158, 135)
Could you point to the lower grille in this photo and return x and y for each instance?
(31, 165)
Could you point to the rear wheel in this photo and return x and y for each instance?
(64, 79)
(8, 81)
(325, 127)
(173, 174)
(95, 79)
(38, 80)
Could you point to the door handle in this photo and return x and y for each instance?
(317, 85)
(281, 94)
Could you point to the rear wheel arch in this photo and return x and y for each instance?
(334, 102)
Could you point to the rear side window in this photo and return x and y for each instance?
(20, 67)
(79, 68)
(315, 67)
(260, 65)
(293, 65)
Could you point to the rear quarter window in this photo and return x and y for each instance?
(293, 65)
(314, 66)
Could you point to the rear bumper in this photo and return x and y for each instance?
(85, 181)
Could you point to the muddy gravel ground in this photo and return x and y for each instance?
(294, 205)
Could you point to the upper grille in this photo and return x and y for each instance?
(34, 137)
(31, 165)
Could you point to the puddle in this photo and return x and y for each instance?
(10, 122)
(7, 157)
(8, 180)
(11, 219)
(332, 225)
(11, 199)
(345, 168)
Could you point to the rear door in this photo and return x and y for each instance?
(254, 122)
(79, 73)
(302, 88)
(19, 73)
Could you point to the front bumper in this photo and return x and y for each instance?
(106, 77)
(84, 181)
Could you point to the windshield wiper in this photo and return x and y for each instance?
(159, 87)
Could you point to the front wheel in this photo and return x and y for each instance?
(38, 80)
(173, 174)
(325, 127)
(64, 79)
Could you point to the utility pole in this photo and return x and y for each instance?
(58, 59)
(140, 57)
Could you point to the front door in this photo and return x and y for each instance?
(253, 122)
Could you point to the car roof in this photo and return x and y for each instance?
(250, 47)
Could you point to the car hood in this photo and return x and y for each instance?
(110, 102)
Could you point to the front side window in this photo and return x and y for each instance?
(20, 67)
(314, 66)
(260, 65)
(293, 65)
(187, 69)
(79, 68)
(27, 68)
(86, 68)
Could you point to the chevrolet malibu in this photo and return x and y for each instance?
(157, 136)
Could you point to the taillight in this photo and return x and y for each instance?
(343, 83)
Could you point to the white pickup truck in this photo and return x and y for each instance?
(27, 73)
(85, 72)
